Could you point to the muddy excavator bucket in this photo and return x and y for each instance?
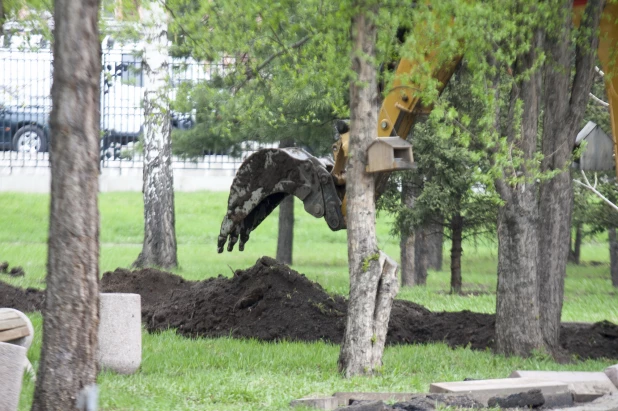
(264, 179)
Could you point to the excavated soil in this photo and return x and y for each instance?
(271, 302)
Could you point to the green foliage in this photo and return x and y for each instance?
(451, 166)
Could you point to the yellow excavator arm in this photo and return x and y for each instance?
(267, 176)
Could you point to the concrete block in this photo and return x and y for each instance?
(120, 332)
(612, 374)
(12, 359)
(346, 397)
(483, 390)
(585, 386)
(317, 402)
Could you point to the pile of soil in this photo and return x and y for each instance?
(25, 300)
(270, 302)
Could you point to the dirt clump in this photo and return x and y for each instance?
(270, 301)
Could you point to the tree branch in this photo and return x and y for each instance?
(592, 188)
(273, 56)
(584, 57)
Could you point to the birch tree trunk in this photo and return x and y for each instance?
(565, 103)
(373, 276)
(71, 312)
(159, 248)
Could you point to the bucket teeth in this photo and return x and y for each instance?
(264, 179)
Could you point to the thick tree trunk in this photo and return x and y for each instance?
(406, 246)
(435, 238)
(576, 251)
(373, 276)
(159, 248)
(456, 251)
(71, 313)
(285, 239)
(421, 260)
(564, 107)
(518, 330)
(613, 255)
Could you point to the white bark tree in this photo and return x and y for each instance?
(159, 248)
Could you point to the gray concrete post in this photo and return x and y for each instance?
(12, 359)
(120, 332)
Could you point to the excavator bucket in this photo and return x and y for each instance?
(264, 179)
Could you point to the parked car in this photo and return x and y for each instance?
(24, 130)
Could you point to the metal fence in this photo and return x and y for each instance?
(25, 104)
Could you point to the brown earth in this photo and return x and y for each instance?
(270, 302)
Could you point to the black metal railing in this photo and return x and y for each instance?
(25, 104)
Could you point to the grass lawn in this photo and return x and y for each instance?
(226, 374)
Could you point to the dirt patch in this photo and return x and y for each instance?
(270, 302)
(26, 300)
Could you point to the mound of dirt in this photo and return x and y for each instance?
(270, 302)
(27, 300)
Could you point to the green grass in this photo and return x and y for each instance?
(226, 374)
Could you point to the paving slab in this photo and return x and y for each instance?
(483, 390)
(612, 374)
(317, 401)
(585, 386)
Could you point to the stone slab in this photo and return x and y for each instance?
(12, 359)
(120, 332)
(346, 397)
(612, 374)
(585, 386)
(483, 390)
(317, 402)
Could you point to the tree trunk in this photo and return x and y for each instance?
(518, 330)
(406, 246)
(373, 276)
(159, 248)
(456, 251)
(285, 238)
(575, 253)
(613, 255)
(564, 107)
(71, 313)
(435, 238)
(421, 260)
